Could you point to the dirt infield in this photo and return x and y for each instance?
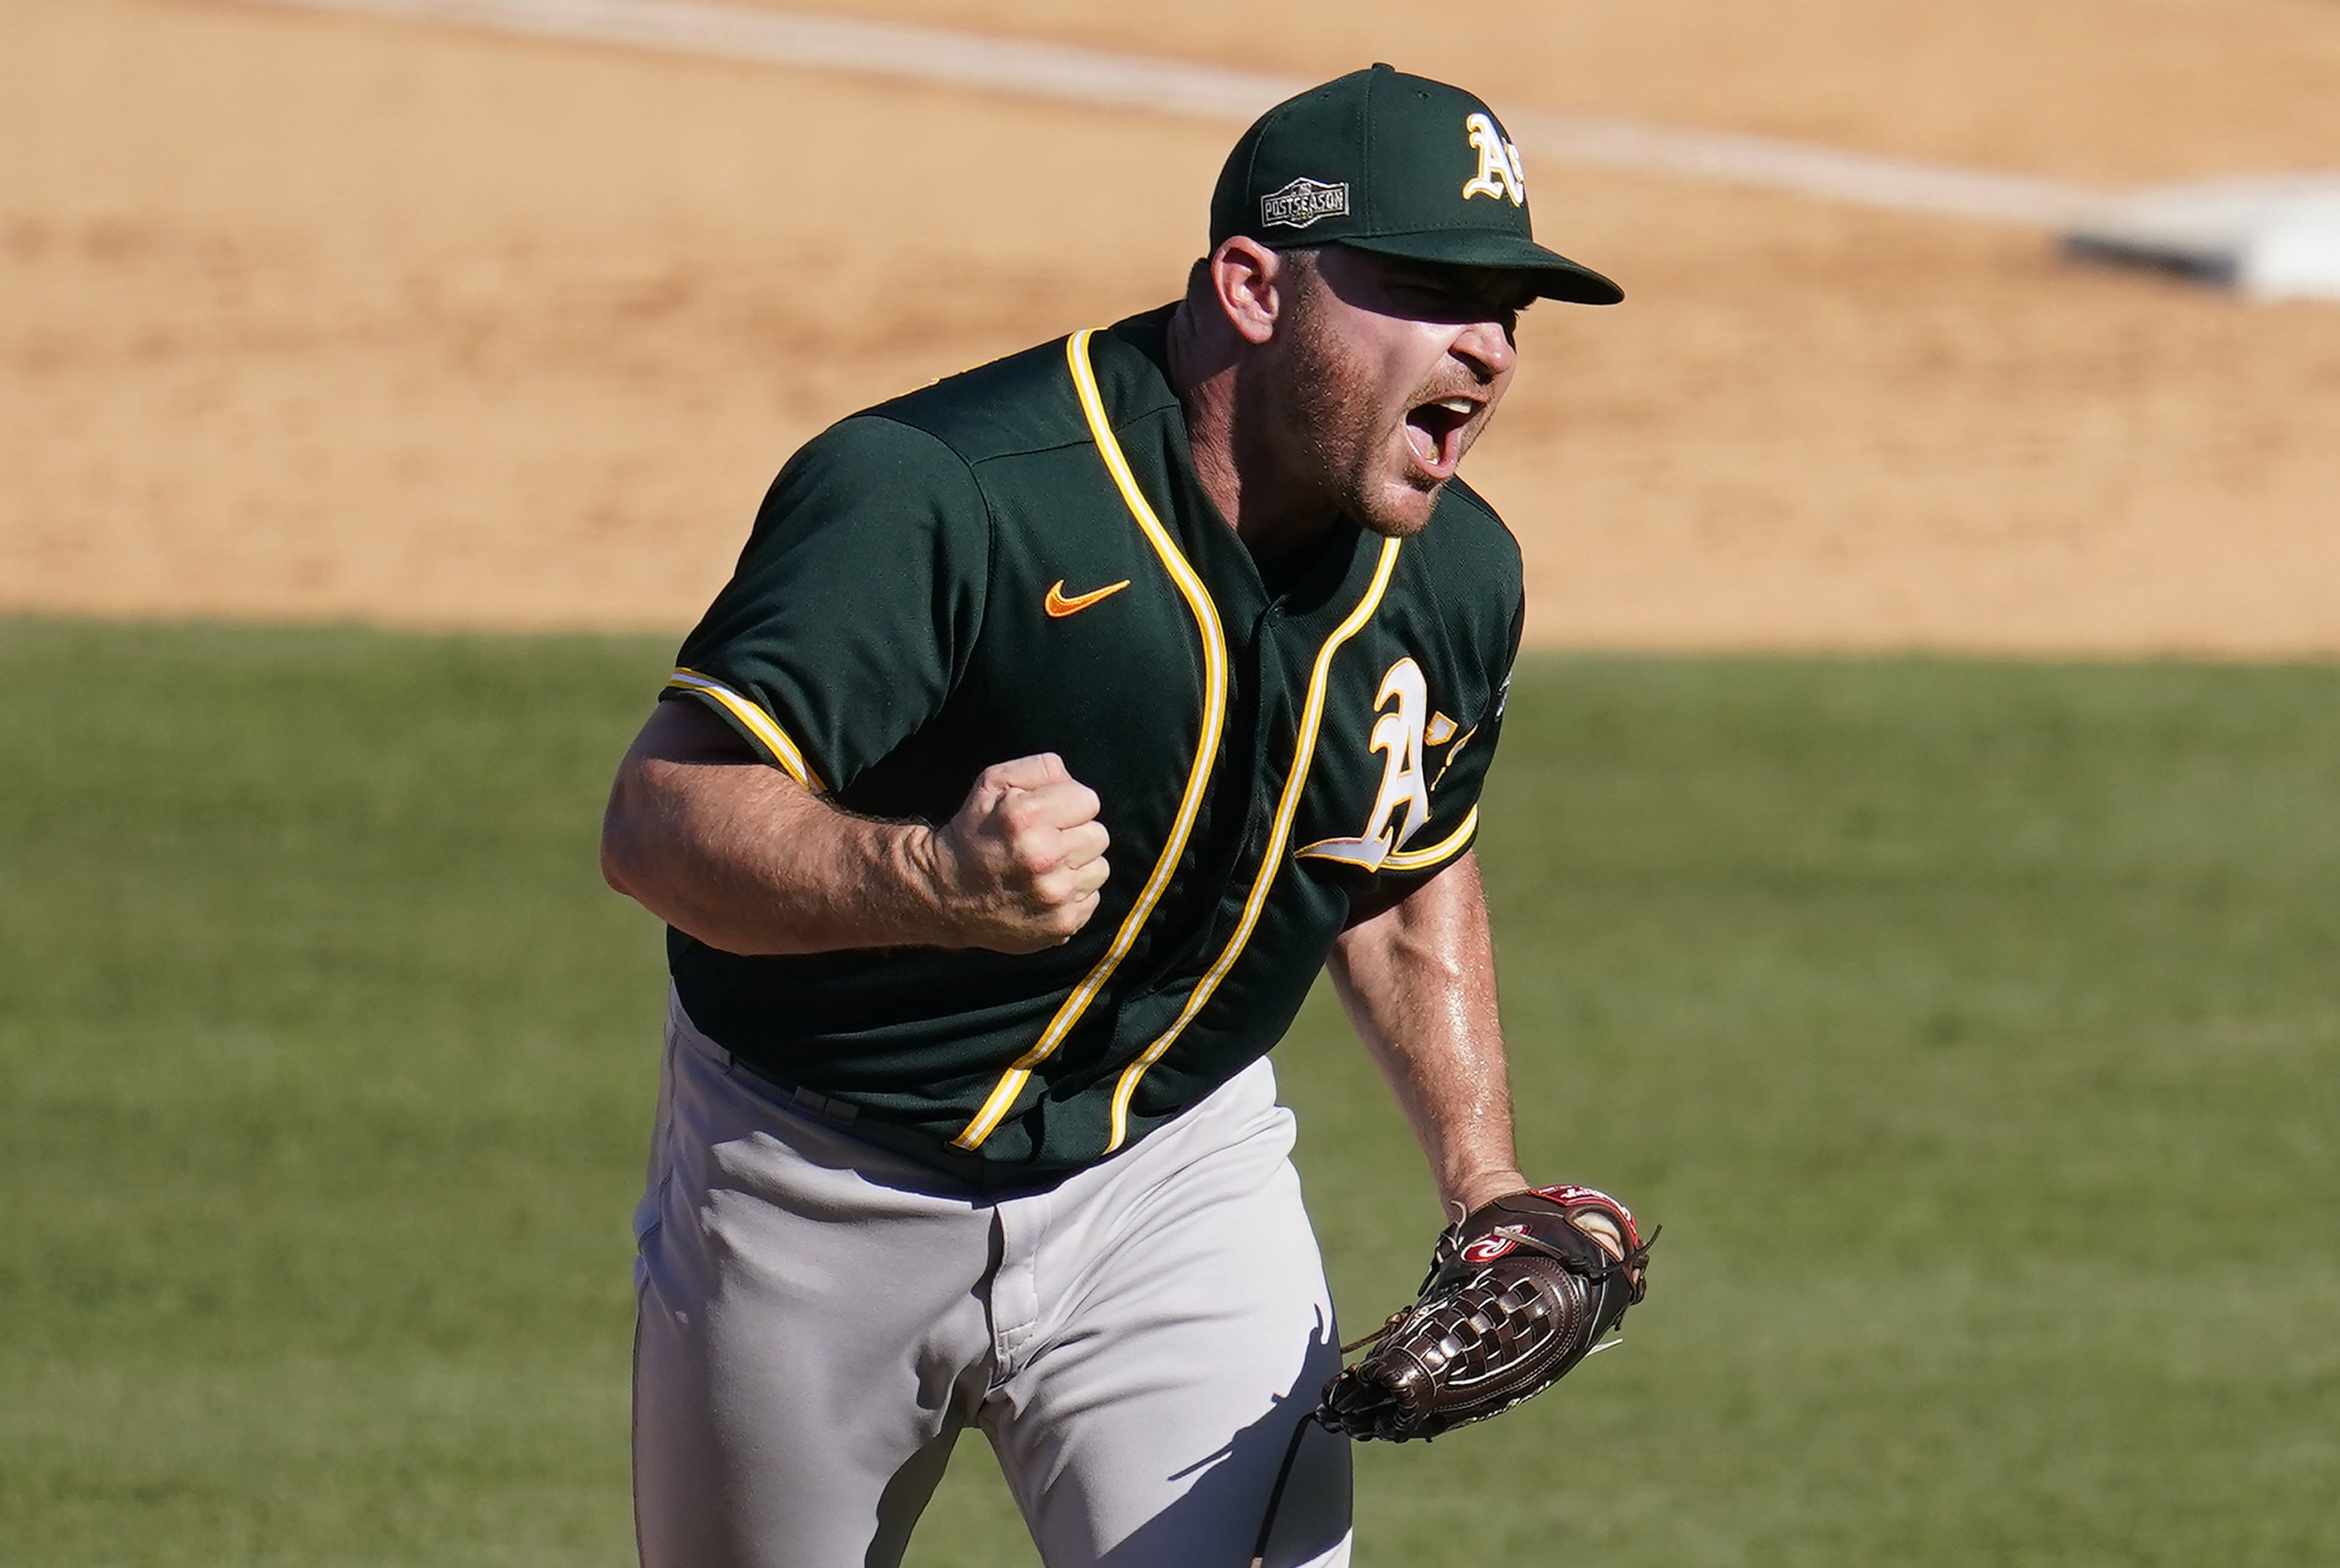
(308, 317)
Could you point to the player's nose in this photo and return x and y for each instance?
(1487, 347)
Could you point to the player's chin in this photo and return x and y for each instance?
(1400, 506)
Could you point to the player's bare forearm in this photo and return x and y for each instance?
(717, 844)
(1418, 981)
(744, 858)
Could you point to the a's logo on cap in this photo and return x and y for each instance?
(1499, 163)
(1303, 202)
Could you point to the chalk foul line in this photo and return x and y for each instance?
(1101, 78)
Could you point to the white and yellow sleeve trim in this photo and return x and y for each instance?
(1004, 1094)
(766, 729)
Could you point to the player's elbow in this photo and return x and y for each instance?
(610, 873)
(619, 837)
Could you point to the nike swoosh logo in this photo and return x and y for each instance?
(1058, 604)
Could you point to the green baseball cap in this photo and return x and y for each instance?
(1396, 164)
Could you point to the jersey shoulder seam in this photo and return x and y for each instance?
(990, 529)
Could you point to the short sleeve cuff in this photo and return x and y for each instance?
(751, 719)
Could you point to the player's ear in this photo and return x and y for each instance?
(1247, 281)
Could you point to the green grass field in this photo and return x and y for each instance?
(1973, 1029)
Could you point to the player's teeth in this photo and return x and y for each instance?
(1456, 405)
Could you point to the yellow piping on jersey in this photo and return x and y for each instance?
(1311, 717)
(759, 723)
(1206, 746)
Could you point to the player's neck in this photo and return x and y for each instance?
(1280, 521)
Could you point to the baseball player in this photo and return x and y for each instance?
(1061, 721)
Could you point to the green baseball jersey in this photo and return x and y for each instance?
(1020, 559)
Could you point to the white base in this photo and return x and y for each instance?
(2269, 236)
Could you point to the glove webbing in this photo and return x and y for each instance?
(1635, 1259)
(1451, 1246)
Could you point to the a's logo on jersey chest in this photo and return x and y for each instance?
(1404, 733)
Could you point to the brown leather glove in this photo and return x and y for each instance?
(1519, 1291)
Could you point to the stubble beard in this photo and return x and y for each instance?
(1337, 448)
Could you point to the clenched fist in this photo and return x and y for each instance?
(1019, 867)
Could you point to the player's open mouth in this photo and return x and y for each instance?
(1435, 431)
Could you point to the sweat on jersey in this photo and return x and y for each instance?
(1020, 559)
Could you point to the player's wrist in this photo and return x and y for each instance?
(1472, 1189)
(935, 874)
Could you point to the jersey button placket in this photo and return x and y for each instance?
(1268, 787)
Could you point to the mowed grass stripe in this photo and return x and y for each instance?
(1971, 1027)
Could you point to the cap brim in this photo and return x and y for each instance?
(1551, 274)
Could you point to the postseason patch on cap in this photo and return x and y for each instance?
(1303, 202)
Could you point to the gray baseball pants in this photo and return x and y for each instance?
(820, 1318)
